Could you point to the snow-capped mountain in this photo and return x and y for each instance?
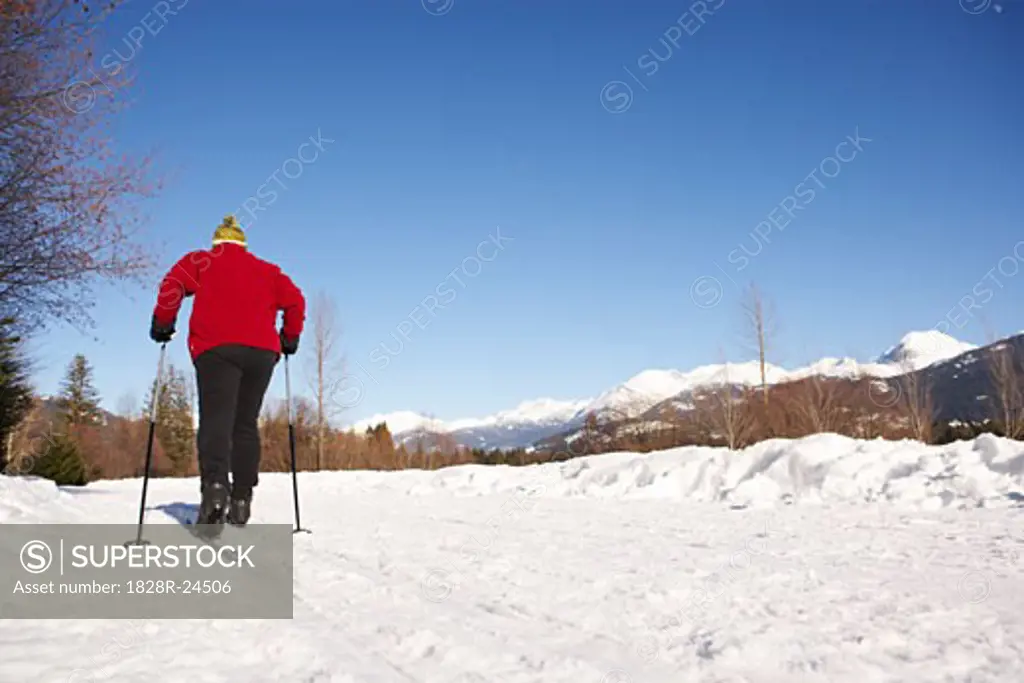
(402, 421)
(539, 411)
(921, 349)
(640, 392)
(524, 424)
(537, 419)
(915, 351)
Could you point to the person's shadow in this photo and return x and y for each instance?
(184, 513)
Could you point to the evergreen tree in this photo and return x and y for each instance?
(175, 428)
(381, 445)
(79, 402)
(15, 391)
(62, 462)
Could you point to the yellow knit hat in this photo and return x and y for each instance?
(229, 231)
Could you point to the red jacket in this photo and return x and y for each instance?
(237, 299)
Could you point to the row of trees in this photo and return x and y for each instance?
(735, 416)
(70, 439)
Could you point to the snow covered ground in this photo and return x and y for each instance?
(823, 559)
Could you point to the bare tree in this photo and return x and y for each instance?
(871, 402)
(66, 199)
(128, 405)
(819, 403)
(917, 402)
(326, 363)
(1004, 370)
(724, 412)
(24, 442)
(761, 330)
(446, 447)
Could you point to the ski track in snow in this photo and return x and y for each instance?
(621, 568)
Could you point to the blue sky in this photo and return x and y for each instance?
(442, 123)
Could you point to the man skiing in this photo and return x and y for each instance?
(235, 345)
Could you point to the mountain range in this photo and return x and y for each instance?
(534, 420)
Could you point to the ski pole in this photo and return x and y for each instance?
(291, 446)
(149, 444)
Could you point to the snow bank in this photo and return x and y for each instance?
(25, 500)
(825, 468)
(985, 472)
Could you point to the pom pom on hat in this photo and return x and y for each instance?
(229, 231)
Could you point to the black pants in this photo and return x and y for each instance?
(232, 381)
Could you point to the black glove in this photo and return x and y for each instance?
(289, 346)
(159, 333)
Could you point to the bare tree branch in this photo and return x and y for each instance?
(723, 411)
(326, 364)
(820, 403)
(917, 402)
(1004, 370)
(67, 202)
(761, 329)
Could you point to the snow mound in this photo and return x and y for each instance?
(31, 500)
(823, 468)
(985, 472)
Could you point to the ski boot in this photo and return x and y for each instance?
(210, 520)
(239, 509)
